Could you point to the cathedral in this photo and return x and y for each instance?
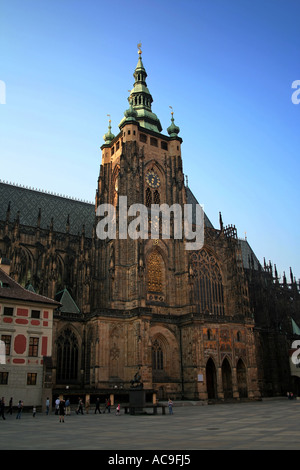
(206, 324)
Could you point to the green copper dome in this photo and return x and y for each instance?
(173, 130)
(141, 101)
(108, 137)
(130, 113)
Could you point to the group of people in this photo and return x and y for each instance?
(106, 408)
(63, 408)
(10, 408)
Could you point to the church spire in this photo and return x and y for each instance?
(173, 130)
(141, 99)
(109, 136)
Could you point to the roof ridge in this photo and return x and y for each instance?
(44, 191)
(34, 294)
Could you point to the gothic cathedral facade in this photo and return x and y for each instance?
(182, 318)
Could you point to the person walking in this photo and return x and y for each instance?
(107, 405)
(87, 406)
(2, 407)
(62, 410)
(10, 406)
(20, 408)
(170, 405)
(80, 407)
(118, 410)
(47, 406)
(98, 406)
(68, 407)
(57, 401)
(34, 411)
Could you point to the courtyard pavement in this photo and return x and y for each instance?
(271, 424)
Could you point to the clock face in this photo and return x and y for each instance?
(152, 179)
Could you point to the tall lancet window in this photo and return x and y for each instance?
(67, 357)
(157, 356)
(148, 197)
(115, 188)
(155, 273)
(208, 285)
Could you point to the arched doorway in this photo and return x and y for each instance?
(227, 379)
(211, 379)
(241, 374)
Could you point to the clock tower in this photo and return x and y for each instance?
(144, 166)
(141, 282)
(180, 318)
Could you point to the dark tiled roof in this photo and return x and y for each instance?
(28, 202)
(248, 255)
(192, 200)
(10, 289)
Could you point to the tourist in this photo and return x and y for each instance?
(61, 408)
(98, 406)
(80, 407)
(68, 407)
(107, 405)
(20, 408)
(170, 405)
(118, 410)
(10, 406)
(87, 406)
(2, 407)
(47, 406)
(57, 401)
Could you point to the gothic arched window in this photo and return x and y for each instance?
(155, 269)
(156, 197)
(115, 188)
(67, 357)
(157, 356)
(155, 272)
(148, 197)
(208, 286)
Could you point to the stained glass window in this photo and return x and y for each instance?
(154, 269)
(208, 286)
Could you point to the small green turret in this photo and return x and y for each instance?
(173, 130)
(109, 136)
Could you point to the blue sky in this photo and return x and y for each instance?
(225, 66)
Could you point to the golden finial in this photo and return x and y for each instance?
(172, 110)
(109, 117)
(139, 47)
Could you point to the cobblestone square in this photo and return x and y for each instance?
(265, 425)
